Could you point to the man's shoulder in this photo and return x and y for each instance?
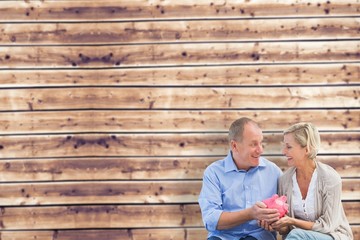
(217, 165)
(269, 164)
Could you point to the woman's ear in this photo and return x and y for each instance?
(307, 151)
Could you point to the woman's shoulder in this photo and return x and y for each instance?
(328, 174)
(287, 174)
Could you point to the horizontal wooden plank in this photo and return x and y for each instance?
(139, 168)
(106, 192)
(180, 31)
(178, 54)
(192, 144)
(126, 234)
(107, 168)
(351, 189)
(352, 211)
(110, 234)
(101, 216)
(356, 231)
(124, 192)
(187, 76)
(170, 121)
(179, 98)
(86, 10)
(116, 216)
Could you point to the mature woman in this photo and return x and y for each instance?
(313, 190)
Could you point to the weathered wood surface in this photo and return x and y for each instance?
(139, 168)
(179, 98)
(111, 110)
(317, 74)
(111, 121)
(125, 234)
(123, 192)
(176, 144)
(179, 31)
(116, 216)
(103, 216)
(108, 192)
(178, 54)
(106, 10)
(111, 234)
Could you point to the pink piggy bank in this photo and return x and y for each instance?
(278, 203)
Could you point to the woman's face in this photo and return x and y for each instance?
(294, 152)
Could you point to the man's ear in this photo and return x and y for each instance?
(232, 144)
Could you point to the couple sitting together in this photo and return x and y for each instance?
(233, 190)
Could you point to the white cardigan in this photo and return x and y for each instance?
(329, 211)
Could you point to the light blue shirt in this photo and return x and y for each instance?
(225, 188)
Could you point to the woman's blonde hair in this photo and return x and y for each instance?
(307, 135)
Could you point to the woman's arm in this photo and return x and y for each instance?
(289, 221)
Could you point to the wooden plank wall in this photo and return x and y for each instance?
(111, 110)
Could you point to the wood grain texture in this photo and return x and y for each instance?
(116, 216)
(110, 111)
(125, 234)
(170, 121)
(179, 98)
(86, 10)
(107, 192)
(178, 31)
(138, 168)
(192, 144)
(101, 216)
(261, 75)
(124, 192)
(178, 54)
(110, 234)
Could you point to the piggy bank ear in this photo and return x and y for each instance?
(269, 201)
(283, 198)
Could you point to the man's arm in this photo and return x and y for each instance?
(257, 212)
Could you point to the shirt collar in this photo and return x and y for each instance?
(231, 166)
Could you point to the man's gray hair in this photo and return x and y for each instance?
(236, 130)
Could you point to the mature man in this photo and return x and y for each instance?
(230, 198)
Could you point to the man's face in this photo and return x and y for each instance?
(247, 152)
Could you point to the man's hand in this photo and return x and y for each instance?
(260, 212)
(265, 225)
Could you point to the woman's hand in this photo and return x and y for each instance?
(282, 223)
(268, 227)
